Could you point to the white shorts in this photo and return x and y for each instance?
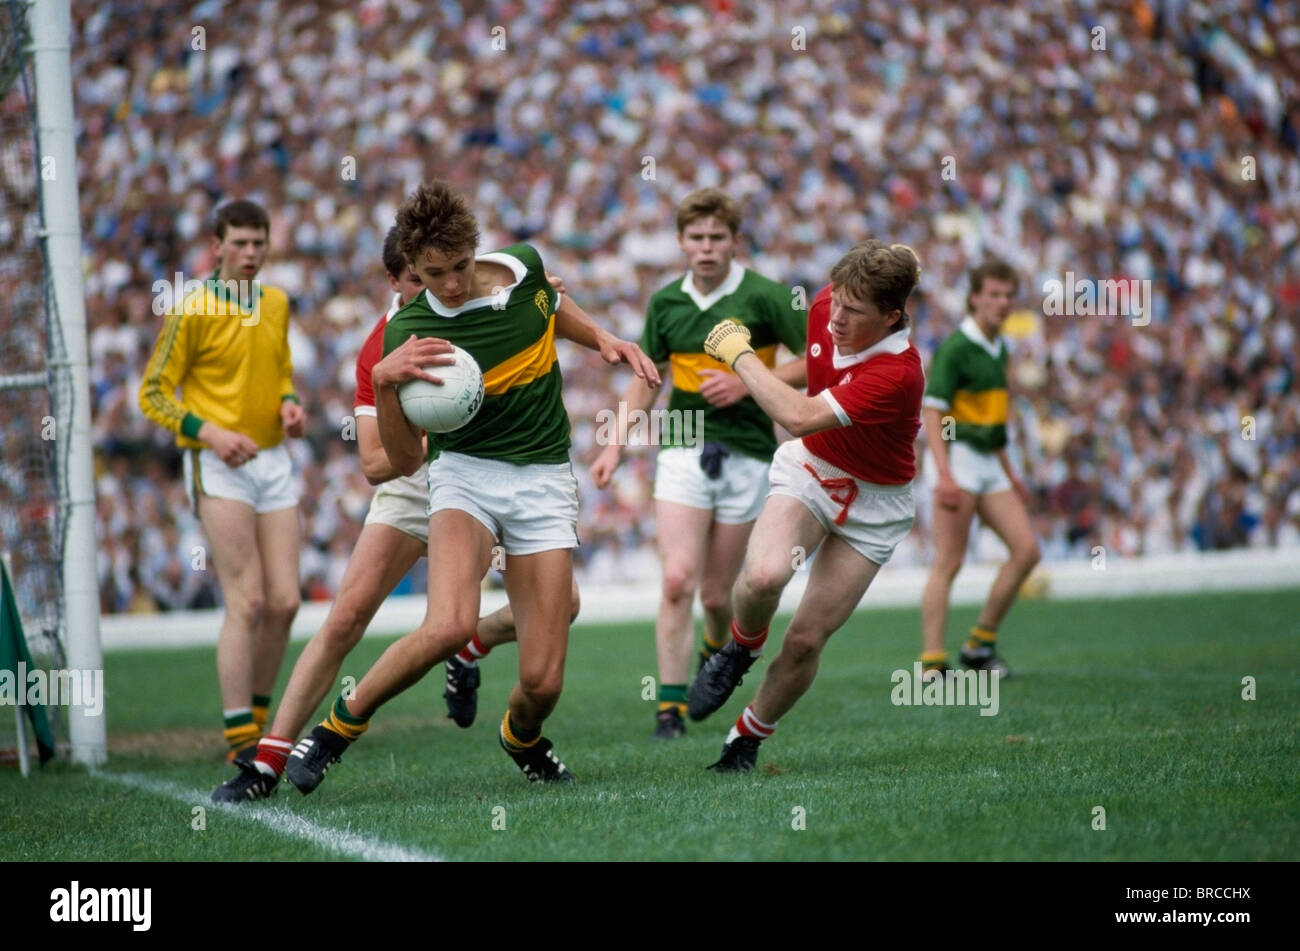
(875, 517)
(265, 482)
(979, 473)
(735, 497)
(403, 503)
(528, 509)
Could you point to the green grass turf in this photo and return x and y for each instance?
(1133, 705)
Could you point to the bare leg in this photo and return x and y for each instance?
(1005, 514)
(840, 577)
(382, 557)
(951, 531)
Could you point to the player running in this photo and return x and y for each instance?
(394, 537)
(710, 479)
(503, 477)
(965, 414)
(842, 489)
(226, 348)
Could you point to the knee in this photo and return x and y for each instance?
(765, 580)
(541, 687)
(678, 585)
(247, 605)
(441, 638)
(802, 646)
(281, 609)
(1028, 556)
(715, 599)
(344, 626)
(945, 569)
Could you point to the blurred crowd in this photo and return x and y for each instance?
(1142, 140)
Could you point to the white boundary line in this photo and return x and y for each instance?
(340, 841)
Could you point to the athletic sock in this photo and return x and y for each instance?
(748, 724)
(516, 739)
(241, 732)
(710, 648)
(261, 709)
(272, 754)
(346, 725)
(751, 642)
(673, 696)
(982, 641)
(934, 660)
(473, 652)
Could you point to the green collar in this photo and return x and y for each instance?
(221, 290)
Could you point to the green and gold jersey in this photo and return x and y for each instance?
(968, 381)
(678, 320)
(512, 337)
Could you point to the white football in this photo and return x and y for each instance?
(442, 408)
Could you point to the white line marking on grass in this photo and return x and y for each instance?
(280, 819)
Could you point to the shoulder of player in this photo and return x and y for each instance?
(525, 254)
(274, 296)
(755, 283)
(670, 293)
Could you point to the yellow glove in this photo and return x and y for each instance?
(728, 342)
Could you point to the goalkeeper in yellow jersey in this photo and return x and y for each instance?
(221, 379)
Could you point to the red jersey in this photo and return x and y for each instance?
(876, 395)
(372, 351)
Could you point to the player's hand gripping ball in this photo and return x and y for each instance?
(728, 341)
(445, 407)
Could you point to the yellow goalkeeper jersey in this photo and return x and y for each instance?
(228, 359)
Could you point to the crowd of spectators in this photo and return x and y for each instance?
(1151, 141)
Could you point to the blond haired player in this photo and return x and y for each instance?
(842, 489)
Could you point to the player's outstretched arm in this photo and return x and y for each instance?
(639, 396)
(573, 323)
(801, 415)
(401, 439)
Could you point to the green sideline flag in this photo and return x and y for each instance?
(13, 651)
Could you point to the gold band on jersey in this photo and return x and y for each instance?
(986, 408)
(524, 367)
(687, 366)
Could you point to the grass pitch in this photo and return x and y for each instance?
(1135, 706)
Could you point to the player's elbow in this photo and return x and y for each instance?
(805, 422)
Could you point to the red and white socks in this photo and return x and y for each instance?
(473, 652)
(273, 754)
(748, 724)
(751, 642)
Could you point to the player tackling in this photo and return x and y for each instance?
(842, 489)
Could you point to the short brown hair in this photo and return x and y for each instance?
(708, 203)
(883, 274)
(435, 216)
(240, 213)
(996, 269)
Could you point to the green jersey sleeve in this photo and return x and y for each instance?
(942, 381)
(653, 341)
(789, 324)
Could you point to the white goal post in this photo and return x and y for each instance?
(51, 29)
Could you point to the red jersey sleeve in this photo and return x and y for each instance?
(875, 395)
(371, 353)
